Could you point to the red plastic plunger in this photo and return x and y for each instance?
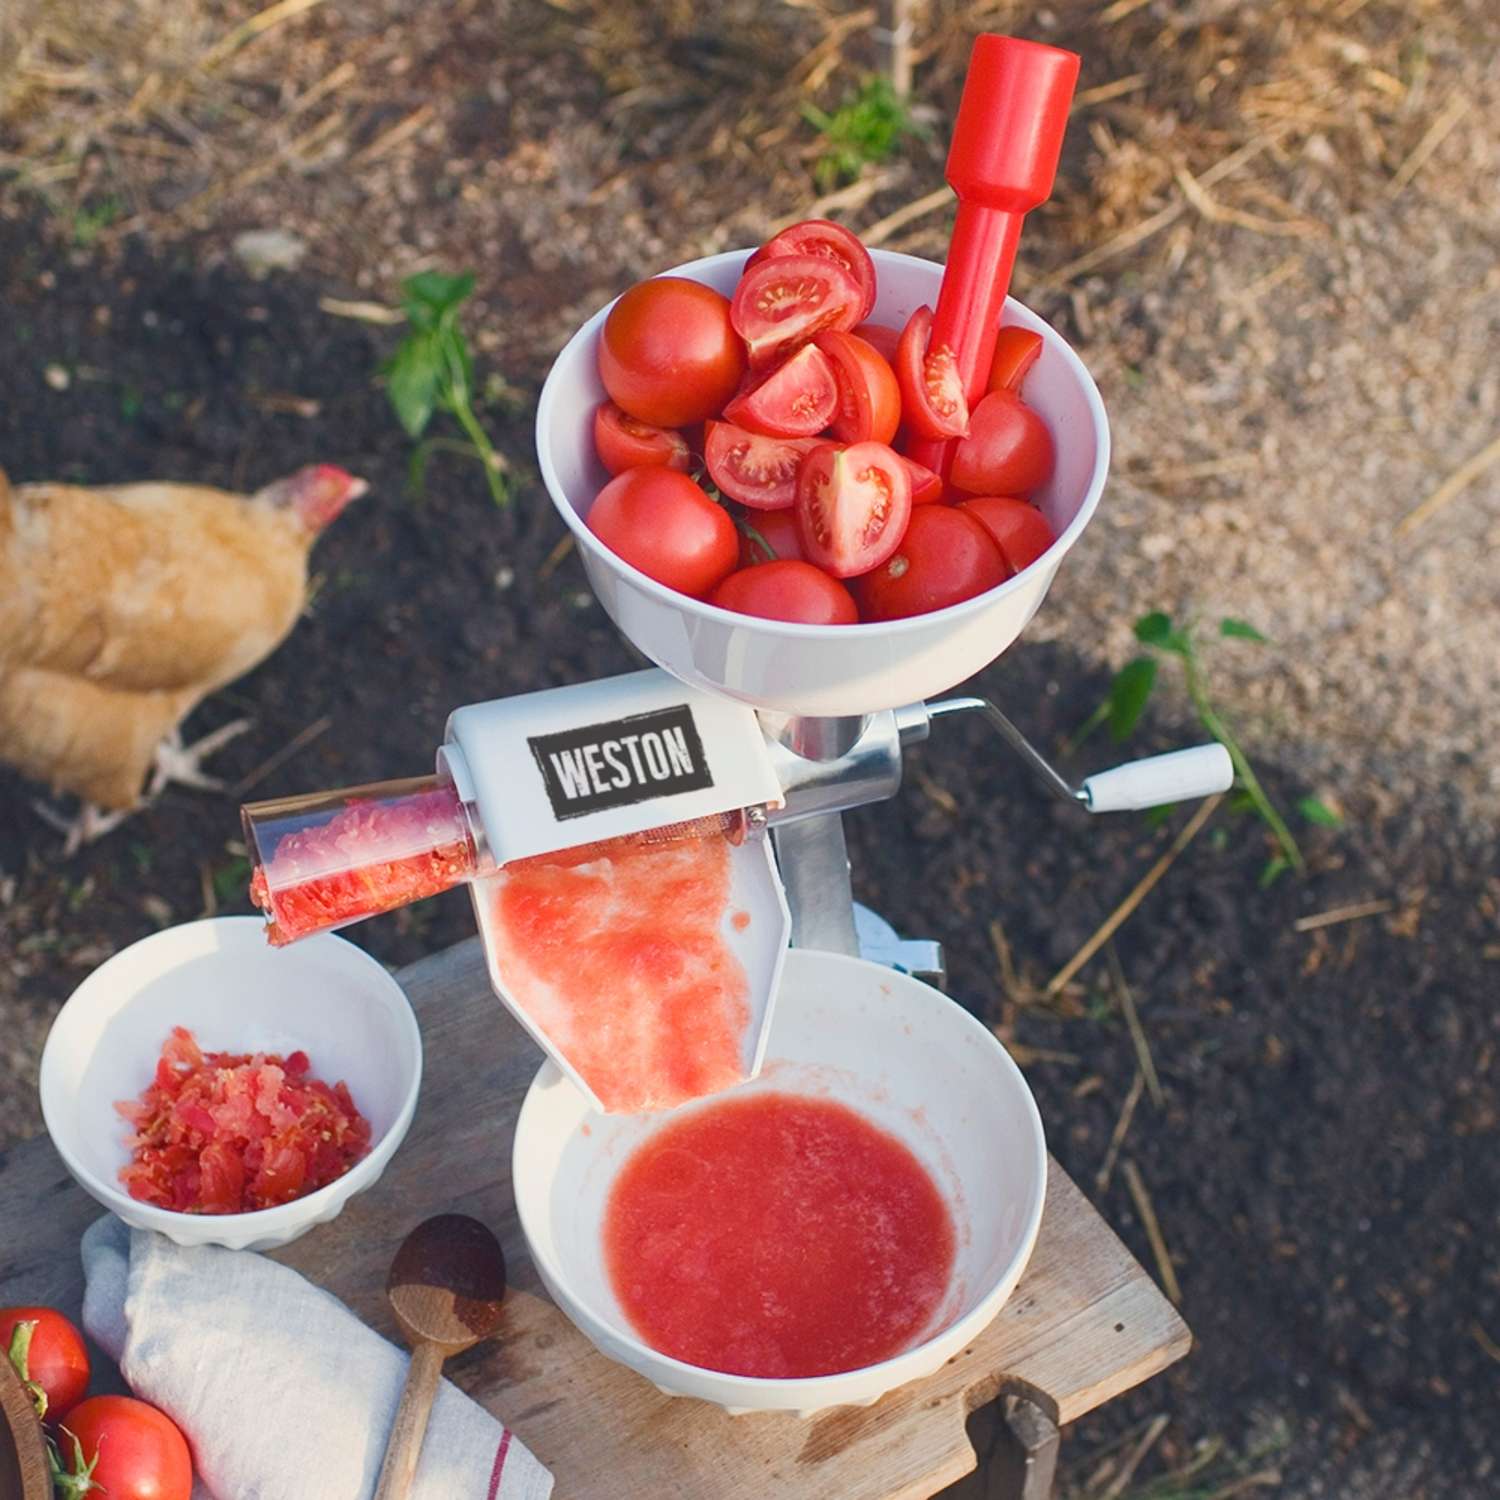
(1001, 163)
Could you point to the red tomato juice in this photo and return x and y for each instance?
(778, 1236)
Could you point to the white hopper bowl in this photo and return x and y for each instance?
(823, 669)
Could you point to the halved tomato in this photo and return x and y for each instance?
(932, 395)
(852, 506)
(784, 300)
(1020, 530)
(1008, 450)
(944, 558)
(624, 443)
(926, 486)
(797, 399)
(833, 242)
(1016, 351)
(883, 340)
(760, 472)
(787, 591)
(869, 400)
(769, 534)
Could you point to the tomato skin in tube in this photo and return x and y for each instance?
(326, 860)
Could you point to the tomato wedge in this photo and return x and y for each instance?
(1016, 351)
(852, 506)
(787, 591)
(1020, 530)
(869, 399)
(883, 340)
(932, 396)
(797, 399)
(784, 300)
(944, 558)
(925, 485)
(833, 242)
(624, 443)
(1008, 450)
(760, 472)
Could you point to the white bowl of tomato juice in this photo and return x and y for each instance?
(906, 1060)
(825, 669)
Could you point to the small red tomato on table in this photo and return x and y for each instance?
(49, 1356)
(123, 1449)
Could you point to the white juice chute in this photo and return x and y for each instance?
(638, 758)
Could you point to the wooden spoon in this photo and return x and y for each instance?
(445, 1287)
(23, 1455)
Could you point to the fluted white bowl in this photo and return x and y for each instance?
(825, 669)
(235, 993)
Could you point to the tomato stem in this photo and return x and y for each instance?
(74, 1483)
(755, 538)
(1214, 723)
(20, 1356)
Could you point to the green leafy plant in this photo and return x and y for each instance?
(1131, 689)
(862, 131)
(90, 220)
(432, 371)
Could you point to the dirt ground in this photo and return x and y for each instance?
(1268, 246)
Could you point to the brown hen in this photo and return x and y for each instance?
(123, 606)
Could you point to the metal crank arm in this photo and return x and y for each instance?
(1178, 776)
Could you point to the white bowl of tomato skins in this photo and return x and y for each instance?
(224, 984)
(631, 1219)
(825, 669)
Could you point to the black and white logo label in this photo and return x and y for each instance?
(626, 761)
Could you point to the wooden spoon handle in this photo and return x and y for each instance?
(404, 1446)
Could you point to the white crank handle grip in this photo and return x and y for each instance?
(1178, 776)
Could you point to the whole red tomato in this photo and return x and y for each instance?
(1020, 530)
(55, 1358)
(137, 1452)
(668, 355)
(944, 558)
(662, 523)
(787, 590)
(1008, 451)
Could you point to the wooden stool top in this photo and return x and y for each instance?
(1085, 1323)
